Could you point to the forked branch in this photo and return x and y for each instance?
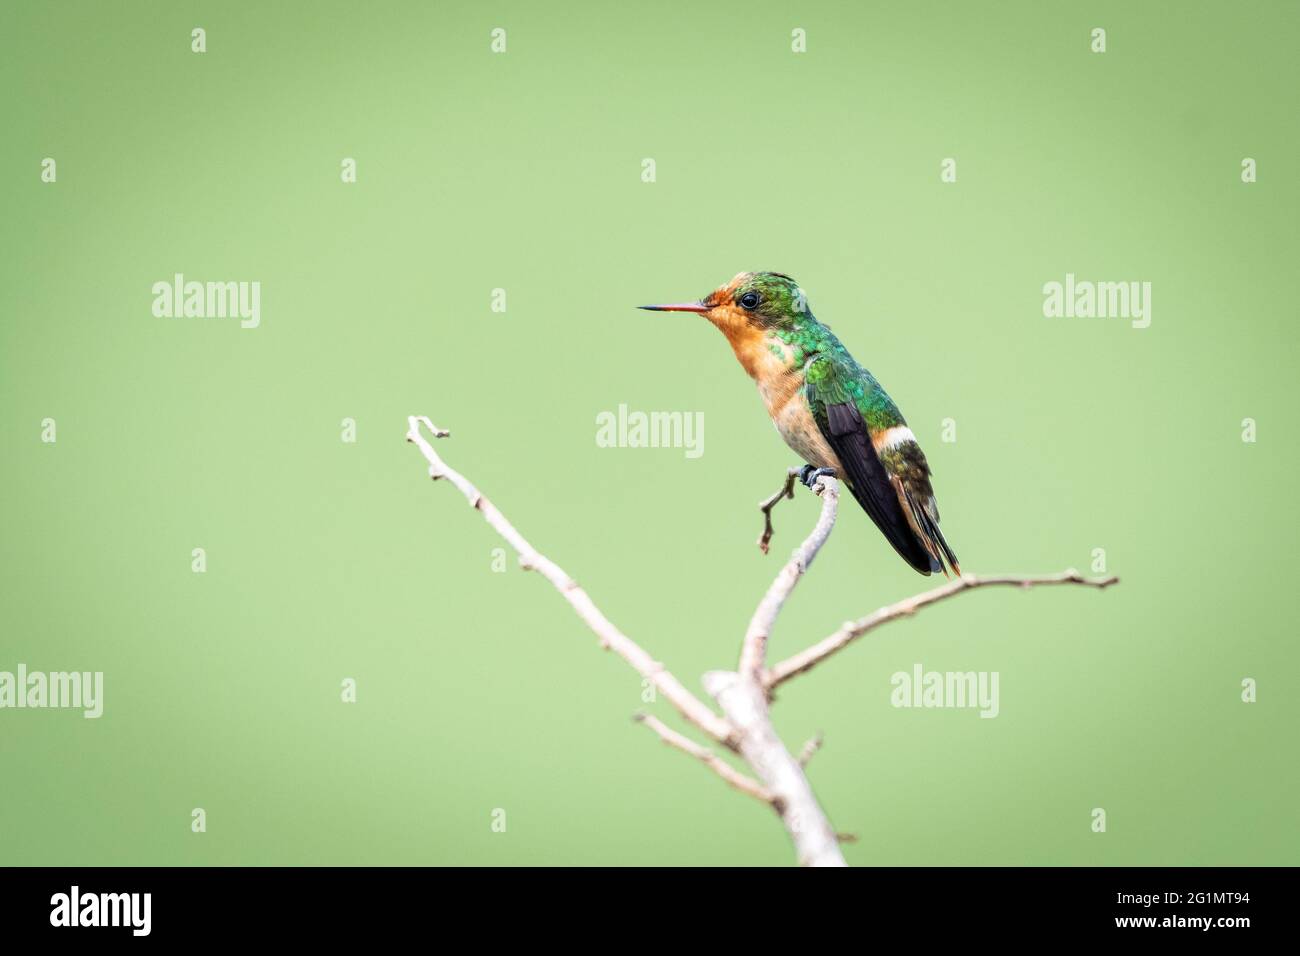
(744, 700)
(733, 777)
(744, 695)
(786, 491)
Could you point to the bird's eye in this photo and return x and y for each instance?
(749, 300)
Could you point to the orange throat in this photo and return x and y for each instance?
(777, 382)
(747, 340)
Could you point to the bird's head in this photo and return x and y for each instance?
(764, 300)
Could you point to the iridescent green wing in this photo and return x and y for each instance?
(838, 392)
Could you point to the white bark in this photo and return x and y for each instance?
(850, 631)
(745, 695)
(744, 702)
(611, 638)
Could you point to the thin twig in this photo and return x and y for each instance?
(734, 778)
(787, 491)
(753, 649)
(690, 706)
(810, 748)
(852, 630)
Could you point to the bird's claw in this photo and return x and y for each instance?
(808, 475)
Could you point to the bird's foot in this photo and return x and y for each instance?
(809, 475)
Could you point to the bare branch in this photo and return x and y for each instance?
(743, 701)
(753, 650)
(743, 696)
(810, 748)
(733, 777)
(852, 630)
(611, 638)
(787, 491)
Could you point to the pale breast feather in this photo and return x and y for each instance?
(795, 422)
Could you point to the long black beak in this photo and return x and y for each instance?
(677, 307)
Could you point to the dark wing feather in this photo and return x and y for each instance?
(846, 432)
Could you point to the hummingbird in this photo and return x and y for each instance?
(829, 409)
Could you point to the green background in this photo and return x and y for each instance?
(480, 690)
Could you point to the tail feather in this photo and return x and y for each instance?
(937, 539)
(924, 520)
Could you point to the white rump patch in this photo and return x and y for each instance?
(892, 437)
